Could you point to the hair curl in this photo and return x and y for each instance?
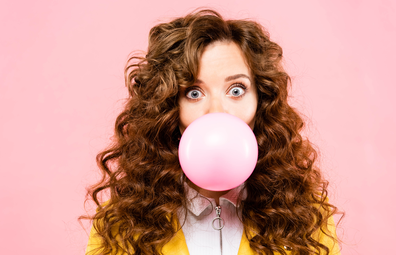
(286, 194)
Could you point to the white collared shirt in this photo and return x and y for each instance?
(201, 237)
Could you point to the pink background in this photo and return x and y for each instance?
(61, 87)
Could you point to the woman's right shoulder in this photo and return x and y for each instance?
(96, 241)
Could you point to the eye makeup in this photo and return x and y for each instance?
(237, 85)
(188, 93)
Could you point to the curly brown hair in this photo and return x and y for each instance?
(286, 200)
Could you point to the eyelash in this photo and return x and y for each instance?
(238, 85)
(190, 89)
(235, 85)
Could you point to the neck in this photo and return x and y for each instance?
(208, 193)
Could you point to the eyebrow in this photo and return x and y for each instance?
(232, 77)
(236, 76)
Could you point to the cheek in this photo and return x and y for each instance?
(249, 117)
(247, 111)
(187, 115)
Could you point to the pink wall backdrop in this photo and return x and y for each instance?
(61, 87)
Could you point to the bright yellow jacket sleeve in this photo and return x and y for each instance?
(329, 242)
(94, 243)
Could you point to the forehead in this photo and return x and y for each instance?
(223, 57)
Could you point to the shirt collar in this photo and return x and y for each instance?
(197, 203)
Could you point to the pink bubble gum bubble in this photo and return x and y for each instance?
(218, 151)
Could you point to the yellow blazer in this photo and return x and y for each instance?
(178, 246)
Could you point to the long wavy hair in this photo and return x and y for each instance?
(286, 194)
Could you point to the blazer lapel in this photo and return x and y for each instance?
(244, 247)
(177, 245)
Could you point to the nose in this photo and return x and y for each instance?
(216, 105)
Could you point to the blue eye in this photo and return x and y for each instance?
(194, 94)
(237, 91)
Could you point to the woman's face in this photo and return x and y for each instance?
(224, 84)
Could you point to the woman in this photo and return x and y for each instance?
(196, 65)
